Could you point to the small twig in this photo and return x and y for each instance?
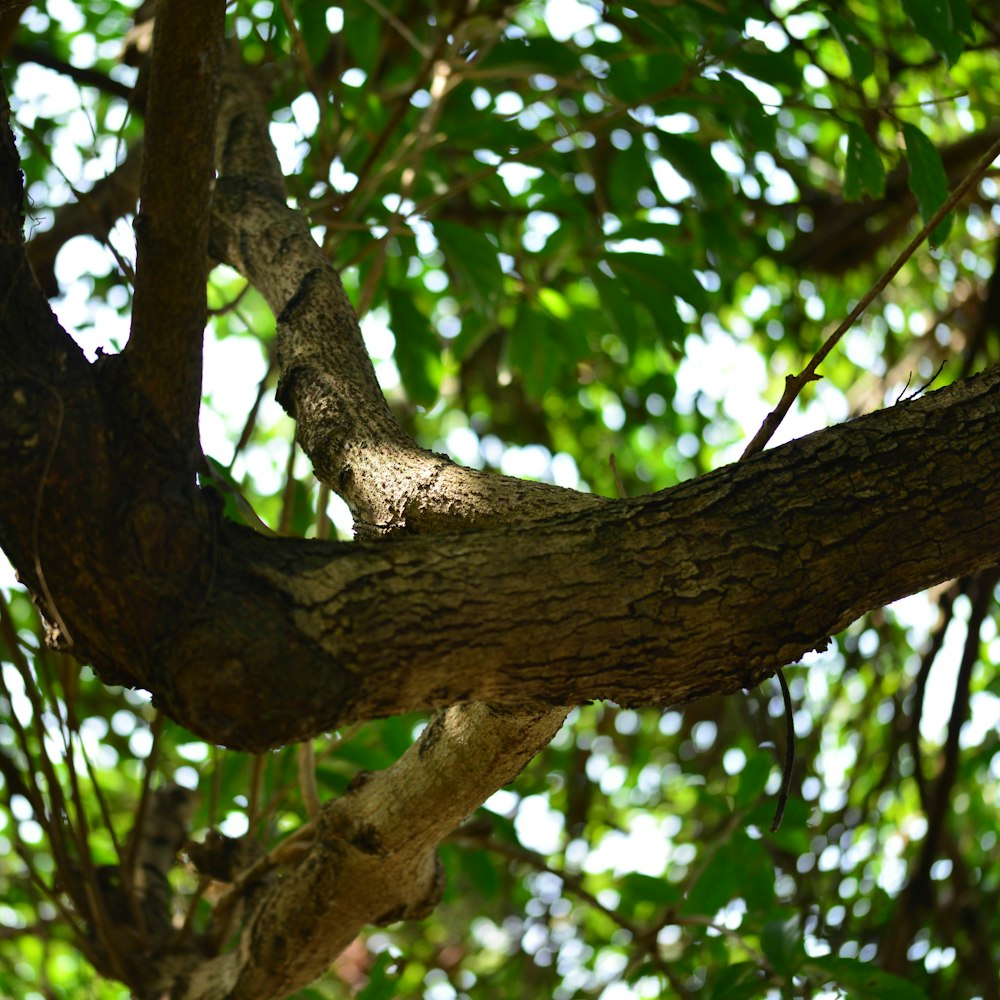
(935, 642)
(902, 392)
(254, 811)
(336, 742)
(149, 765)
(184, 933)
(233, 304)
(307, 778)
(786, 776)
(251, 421)
(288, 493)
(619, 485)
(794, 384)
(85, 201)
(301, 51)
(68, 681)
(923, 388)
(323, 525)
(404, 32)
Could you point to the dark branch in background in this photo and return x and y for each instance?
(86, 76)
(916, 710)
(848, 235)
(170, 310)
(918, 895)
(982, 604)
(10, 21)
(94, 214)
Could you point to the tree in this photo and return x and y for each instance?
(552, 224)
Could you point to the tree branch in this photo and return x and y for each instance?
(85, 76)
(373, 855)
(357, 448)
(169, 308)
(710, 586)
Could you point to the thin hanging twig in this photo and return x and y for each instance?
(795, 383)
(786, 777)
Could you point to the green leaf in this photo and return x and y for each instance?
(961, 17)
(542, 54)
(781, 942)
(417, 351)
(775, 68)
(364, 38)
(665, 71)
(635, 888)
(649, 292)
(855, 44)
(537, 349)
(617, 307)
(739, 867)
(555, 304)
(933, 20)
(747, 117)
(753, 779)
(695, 163)
(627, 82)
(928, 180)
(864, 173)
(864, 981)
(311, 16)
(741, 981)
(382, 985)
(665, 274)
(473, 261)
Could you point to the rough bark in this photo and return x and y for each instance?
(372, 855)
(254, 642)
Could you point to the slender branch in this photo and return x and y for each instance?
(170, 310)
(982, 604)
(794, 384)
(786, 773)
(927, 660)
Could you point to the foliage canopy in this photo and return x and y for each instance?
(587, 243)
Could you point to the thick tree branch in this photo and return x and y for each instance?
(366, 865)
(373, 854)
(169, 309)
(327, 380)
(707, 587)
